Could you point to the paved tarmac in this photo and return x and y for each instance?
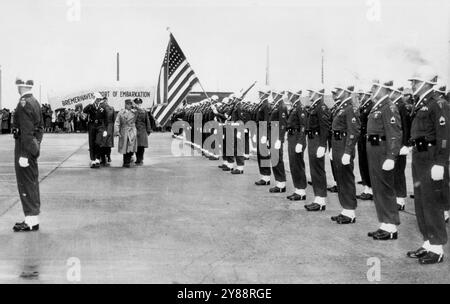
(181, 220)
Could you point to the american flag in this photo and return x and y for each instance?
(176, 80)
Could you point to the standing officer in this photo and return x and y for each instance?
(278, 115)
(384, 139)
(317, 128)
(108, 141)
(296, 128)
(365, 107)
(346, 129)
(237, 117)
(96, 128)
(430, 136)
(440, 90)
(28, 128)
(337, 102)
(143, 128)
(262, 116)
(400, 163)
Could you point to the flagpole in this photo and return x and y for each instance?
(198, 80)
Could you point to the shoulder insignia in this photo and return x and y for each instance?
(393, 120)
(424, 108)
(283, 115)
(303, 115)
(442, 121)
(324, 107)
(393, 108)
(353, 120)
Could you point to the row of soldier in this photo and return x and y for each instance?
(386, 126)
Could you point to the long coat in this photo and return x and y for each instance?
(143, 127)
(125, 127)
(108, 141)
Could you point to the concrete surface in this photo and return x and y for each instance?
(181, 220)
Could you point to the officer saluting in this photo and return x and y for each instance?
(96, 128)
(346, 130)
(28, 130)
(296, 128)
(430, 136)
(384, 136)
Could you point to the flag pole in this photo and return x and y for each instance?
(198, 80)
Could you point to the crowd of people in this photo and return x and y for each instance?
(61, 120)
(382, 124)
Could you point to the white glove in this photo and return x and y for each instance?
(238, 135)
(388, 165)
(298, 148)
(263, 140)
(23, 162)
(331, 154)
(404, 150)
(320, 152)
(345, 159)
(254, 138)
(277, 145)
(437, 173)
(105, 133)
(215, 132)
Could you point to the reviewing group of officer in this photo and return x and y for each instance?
(387, 125)
(131, 125)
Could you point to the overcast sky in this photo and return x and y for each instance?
(225, 41)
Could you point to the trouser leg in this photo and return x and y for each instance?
(383, 186)
(363, 162)
(345, 177)
(278, 168)
(317, 169)
(140, 154)
(428, 199)
(296, 164)
(399, 176)
(92, 135)
(28, 185)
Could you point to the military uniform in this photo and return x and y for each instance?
(28, 128)
(384, 135)
(278, 114)
(346, 131)
(364, 111)
(238, 115)
(318, 125)
(296, 128)
(96, 127)
(430, 136)
(330, 136)
(108, 142)
(262, 115)
(400, 164)
(144, 129)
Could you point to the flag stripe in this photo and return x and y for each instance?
(176, 76)
(181, 83)
(165, 118)
(178, 98)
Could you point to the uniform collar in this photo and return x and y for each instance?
(379, 102)
(425, 96)
(315, 103)
(368, 101)
(343, 103)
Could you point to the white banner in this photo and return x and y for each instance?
(116, 97)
